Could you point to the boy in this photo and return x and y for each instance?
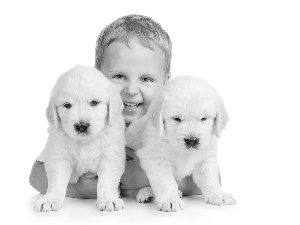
(134, 52)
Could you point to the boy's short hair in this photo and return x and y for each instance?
(142, 27)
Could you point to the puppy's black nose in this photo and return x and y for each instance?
(81, 127)
(191, 142)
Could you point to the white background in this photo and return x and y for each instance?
(248, 50)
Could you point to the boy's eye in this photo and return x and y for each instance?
(94, 102)
(67, 105)
(204, 118)
(177, 119)
(118, 77)
(147, 79)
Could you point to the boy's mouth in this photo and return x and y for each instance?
(130, 107)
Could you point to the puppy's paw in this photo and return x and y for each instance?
(110, 205)
(172, 205)
(145, 195)
(220, 199)
(48, 204)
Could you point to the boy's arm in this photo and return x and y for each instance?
(86, 187)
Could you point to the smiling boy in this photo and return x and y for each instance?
(134, 52)
(139, 82)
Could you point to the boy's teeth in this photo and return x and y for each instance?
(131, 106)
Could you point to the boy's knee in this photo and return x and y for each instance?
(38, 178)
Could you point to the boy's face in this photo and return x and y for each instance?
(137, 71)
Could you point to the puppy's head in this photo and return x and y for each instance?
(188, 113)
(83, 102)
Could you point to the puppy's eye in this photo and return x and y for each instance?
(177, 119)
(67, 105)
(94, 102)
(204, 118)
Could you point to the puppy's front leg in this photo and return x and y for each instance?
(206, 176)
(109, 173)
(164, 186)
(58, 175)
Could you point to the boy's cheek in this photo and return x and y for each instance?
(119, 85)
(155, 90)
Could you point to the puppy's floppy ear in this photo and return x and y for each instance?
(221, 118)
(52, 115)
(115, 108)
(155, 114)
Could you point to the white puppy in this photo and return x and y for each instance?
(178, 138)
(86, 134)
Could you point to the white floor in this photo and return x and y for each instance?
(83, 211)
(80, 211)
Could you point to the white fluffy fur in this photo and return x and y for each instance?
(69, 154)
(159, 140)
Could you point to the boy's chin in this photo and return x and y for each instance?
(131, 118)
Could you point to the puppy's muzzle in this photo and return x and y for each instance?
(191, 142)
(81, 127)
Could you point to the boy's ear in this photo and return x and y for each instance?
(52, 114)
(221, 118)
(155, 114)
(168, 78)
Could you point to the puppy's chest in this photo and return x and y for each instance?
(184, 166)
(85, 158)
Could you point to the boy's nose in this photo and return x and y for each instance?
(131, 89)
